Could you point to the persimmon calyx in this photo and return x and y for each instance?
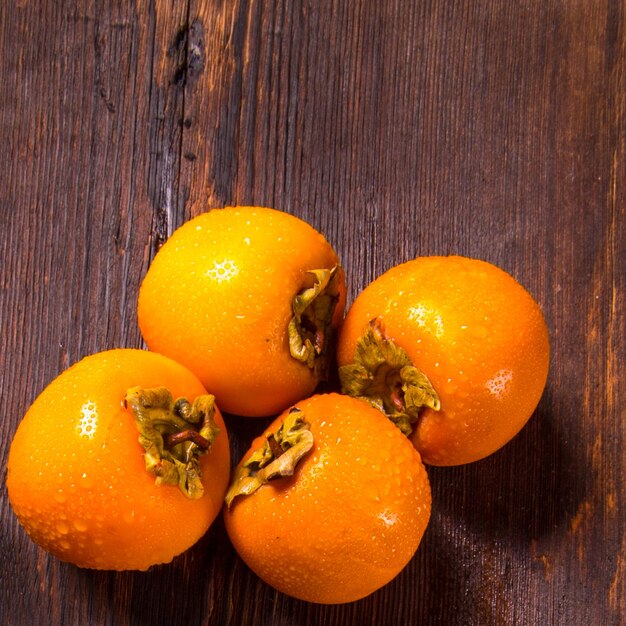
(174, 434)
(383, 375)
(311, 325)
(277, 457)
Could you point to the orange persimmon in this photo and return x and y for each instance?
(108, 471)
(454, 350)
(248, 298)
(330, 503)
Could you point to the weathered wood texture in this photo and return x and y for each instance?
(494, 130)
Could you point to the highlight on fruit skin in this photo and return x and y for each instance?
(330, 503)
(454, 350)
(98, 485)
(249, 299)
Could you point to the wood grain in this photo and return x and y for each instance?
(495, 130)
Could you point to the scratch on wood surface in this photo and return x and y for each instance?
(542, 558)
(218, 46)
(604, 479)
(577, 527)
(596, 451)
(168, 193)
(614, 314)
(98, 43)
(610, 503)
(617, 590)
(601, 472)
(547, 566)
(584, 512)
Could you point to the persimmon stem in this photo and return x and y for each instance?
(186, 435)
(310, 328)
(174, 434)
(382, 374)
(397, 397)
(274, 446)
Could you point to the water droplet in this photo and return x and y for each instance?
(60, 496)
(449, 387)
(86, 481)
(80, 525)
(63, 527)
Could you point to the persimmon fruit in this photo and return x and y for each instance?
(454, 350)
(122, 462)
(330, 503)
(248, 298)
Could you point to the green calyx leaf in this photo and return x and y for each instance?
(311, 325)
(383, 375)
(277, 457)
(174, 434)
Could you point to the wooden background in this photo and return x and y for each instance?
(396, 127)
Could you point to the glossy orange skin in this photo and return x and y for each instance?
(350, 518)
(217, 298)
(76, 476)
(476, 333)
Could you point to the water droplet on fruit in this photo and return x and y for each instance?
(80, 525)
(86, 481)
(60, 496)
(63, 527)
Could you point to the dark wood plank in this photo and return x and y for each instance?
(397, 129)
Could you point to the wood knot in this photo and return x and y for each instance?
(189, 43)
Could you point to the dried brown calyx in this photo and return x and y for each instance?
(383, 375)
(174, 434)
(310, 329)
(277, 457)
